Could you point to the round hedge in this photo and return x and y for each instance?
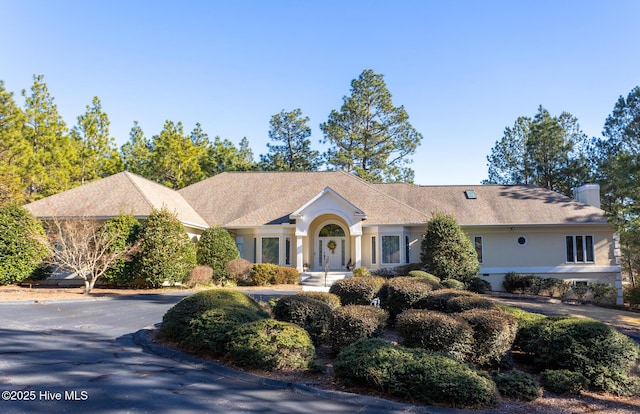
(272, 345)
(424, 275)
(404, 291)
(452, 284)
(357, 290)
(329, 299)
(216, 248)
(308, 313)
(517, 384)
(494, 333)
(437, 300)
(435, 331)
(354, 322)
(413, 373)
(465, 303)
(184, 323)
(563, 381)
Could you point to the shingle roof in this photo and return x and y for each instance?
(120, 193)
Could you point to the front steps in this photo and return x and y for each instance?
(315, 281)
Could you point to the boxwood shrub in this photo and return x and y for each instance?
(464, 303)
(354, 322)
(404, 291)
(272, 345)
(413, 373)
(357, 290)
(437, 300)
(518, 385)
(331, 300)
(435, 331)
(206, 317)
(308, 313)
(563, 381)
(493, 332)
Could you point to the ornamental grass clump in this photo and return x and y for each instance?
(272, 345)
(354, 322)
(308, 313)
(357, 290)
(413, 373)
(435, 331)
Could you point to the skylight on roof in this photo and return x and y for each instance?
(470, 194)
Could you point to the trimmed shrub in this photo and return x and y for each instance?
(603, 355)
(199, 275)
(310, 314)
(403, 292)
(603, 292)
(261, 274)
(208, 316)
(435, 331)
(563, 381)
(239, 270)
(23, 244)
(124, 230)
(286, 276)
(424, 275)
(447, 251)
(354, 322)
(465, 303)
(329, 299)
(357, 290)
(216, 248)
(437, 300)
(413, 373)
(478, 285)
(517, 384)
(166, 252)
(493, 332)
(452, 284)
(272, 345)
(361, 271)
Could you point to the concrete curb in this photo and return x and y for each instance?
(141, 338)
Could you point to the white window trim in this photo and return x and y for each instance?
(400, 253)
(575, 250)
(279, 247)
(481, 247)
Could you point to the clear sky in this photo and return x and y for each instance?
(464, 70)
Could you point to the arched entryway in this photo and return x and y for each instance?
(332, 245)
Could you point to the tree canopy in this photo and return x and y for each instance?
(369, 136)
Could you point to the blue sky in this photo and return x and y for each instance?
(464, 70)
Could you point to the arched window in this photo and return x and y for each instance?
(332, 230)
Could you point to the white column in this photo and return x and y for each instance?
(358, 250)
(299, 256)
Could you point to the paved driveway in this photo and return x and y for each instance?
(80, 356)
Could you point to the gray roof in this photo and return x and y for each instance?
(244, 199)
(117, 194)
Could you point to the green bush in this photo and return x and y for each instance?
(286, 276)
(124, 230)
(360, 271)
(447, 251)
(516, 283)
(563, 381)
(465, 303)
(23, 244)
(329, 299)
(632, 296)
(215, 249)
(424, 275)
(413, 373)
(494, 333)
(403, 292)
(603, 292)
(354, 322)
(435, 331)
(202, 321)
(357, 290)
(437, 300)
(603, 355)
(478, 285)
(518, 385)
(310, 314)
(452, 284)
(554, 287)
(262, 274)
(166, 252)
(271, 345)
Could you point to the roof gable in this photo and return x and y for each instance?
(333, 198)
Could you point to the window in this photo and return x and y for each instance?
(255, 250)
(331, 230)
(320, 253)
(407, 249)
(373, 250)
(521, 240)
(271, 250)
(579, 249)
(477, 243)
(390, 249)
(343, 251)
(287, 251)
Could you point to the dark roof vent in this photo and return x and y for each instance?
(470, 194)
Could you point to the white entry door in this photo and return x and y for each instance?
(331, 249)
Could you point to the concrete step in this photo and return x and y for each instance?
(317, 279)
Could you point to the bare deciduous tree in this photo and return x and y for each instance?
(85, 248)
